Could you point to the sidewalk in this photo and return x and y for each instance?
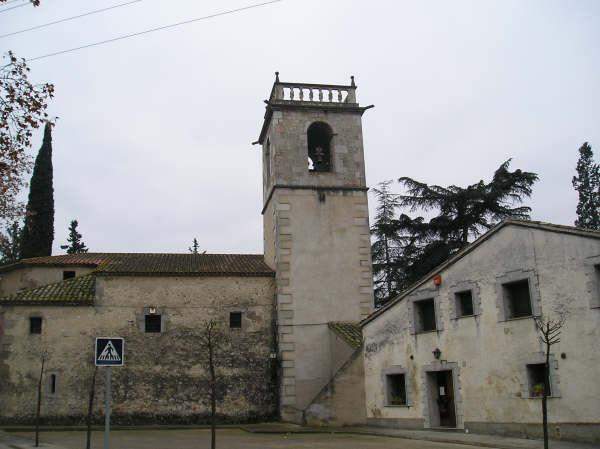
(469, 439)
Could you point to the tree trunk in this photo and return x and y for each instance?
(465, 236)
(213, 396)
(88, 440)
(39, 405)
(545, 397)
(388, 275)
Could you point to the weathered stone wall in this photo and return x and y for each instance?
(317, 237)
(487, 353)
(165, 376)
(31, 277)
(323, 274)
(342, 401)
(288, 148)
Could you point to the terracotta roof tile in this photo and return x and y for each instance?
(75, 291)
(158, 264)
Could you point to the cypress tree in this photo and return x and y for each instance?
(195, 246)
(38, 232)
(587, 184)
(76, 245)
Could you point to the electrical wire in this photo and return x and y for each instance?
(13, 7)
(151, 30)
(37, 27)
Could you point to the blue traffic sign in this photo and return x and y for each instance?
(110, 351)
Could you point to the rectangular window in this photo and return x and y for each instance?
(537, 376)
(597, 273)
(517, 299)
(235, 320)
(464, 303)
(153, 324)
(52, 383)
(35, 325)
(425, 315)
(396, 389)
(68, 275)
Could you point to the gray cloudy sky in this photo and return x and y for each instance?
(153, 143)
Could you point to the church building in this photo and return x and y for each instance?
(290, 315)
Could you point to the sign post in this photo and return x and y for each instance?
(109, 351)
(107, 397)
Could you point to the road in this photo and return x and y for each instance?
(234, 439)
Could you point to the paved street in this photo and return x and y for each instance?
(235, 439)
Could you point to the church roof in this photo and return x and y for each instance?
(77, 291)
(157, 264)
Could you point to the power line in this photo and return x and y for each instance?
(151, 30)
(13, 7)
(68, 18)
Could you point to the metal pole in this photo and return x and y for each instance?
(107, 397)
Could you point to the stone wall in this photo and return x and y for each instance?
(488, 353)
(317, 237)
(324, 274)
(165, 375)
(342, 401)
(288, 150)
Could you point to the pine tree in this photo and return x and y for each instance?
(10, 242)
(38, 231)
(194, 248)
(385, 246)
(76, 245)
(463, 213)
(587, 184)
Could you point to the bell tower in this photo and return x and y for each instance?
(316, 228)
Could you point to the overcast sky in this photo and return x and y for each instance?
(153, 145)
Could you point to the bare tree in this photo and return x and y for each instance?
(90, 409)
(22, 109)
(212, 340)
(43, 358)
(549, 330)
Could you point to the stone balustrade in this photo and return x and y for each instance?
(313, 93)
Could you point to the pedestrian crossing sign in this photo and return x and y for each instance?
(110, 351)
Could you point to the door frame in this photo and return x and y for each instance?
(428, 408)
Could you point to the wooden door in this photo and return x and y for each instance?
(446, 404)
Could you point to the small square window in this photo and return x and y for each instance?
(153, 324)
(464, 303)
(35, 325)
(396, 389)
(68, 275)
(235, 320)
(537, 375)
(517, 299)
(425, 315)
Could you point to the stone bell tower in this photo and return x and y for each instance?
(316, 228)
